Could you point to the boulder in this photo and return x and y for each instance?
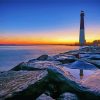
(40, 65)
(44, 97)
(19, 85)
(90, 49)
(94, 62)
(37, 65)
(86, 55)
(81, 64)
(23, 66)
(72, 52)
(68, 96)
(93, 83)
(43, 57)
(65, 58)
(63, 81)
(94, 57)
(32, 60)
(90, 56)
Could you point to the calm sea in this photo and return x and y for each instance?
(10, 56)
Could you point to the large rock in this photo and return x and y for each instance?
(68, 96)
(63, 58)
(90, 56)
(94, 62)
(43, 57)
(19, 85)
(23, 66)
(93, 82)
(49, 58)
(90, 49)
(86, 55)
(63, 81)
(32, 60)
(72, 52)
(44, 97)
(80, 64)
(37, 65)
(94, 57)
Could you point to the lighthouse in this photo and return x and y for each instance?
(82, 40)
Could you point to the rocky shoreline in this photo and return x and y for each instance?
(45, 78)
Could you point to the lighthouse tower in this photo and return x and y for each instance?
(82, 30)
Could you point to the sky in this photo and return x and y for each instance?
(47, 21)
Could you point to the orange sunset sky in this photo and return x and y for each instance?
(51, 37)
(48, 21)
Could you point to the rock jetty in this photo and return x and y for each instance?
(45, 78)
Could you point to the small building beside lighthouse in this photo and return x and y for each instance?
(82, 40)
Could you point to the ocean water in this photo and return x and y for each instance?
(11, 56)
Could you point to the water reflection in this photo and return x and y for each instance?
(81, 74)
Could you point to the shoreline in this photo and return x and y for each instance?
(46, 76)
(13, 55)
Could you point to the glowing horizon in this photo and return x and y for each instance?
(53, 37)
(47, 21)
